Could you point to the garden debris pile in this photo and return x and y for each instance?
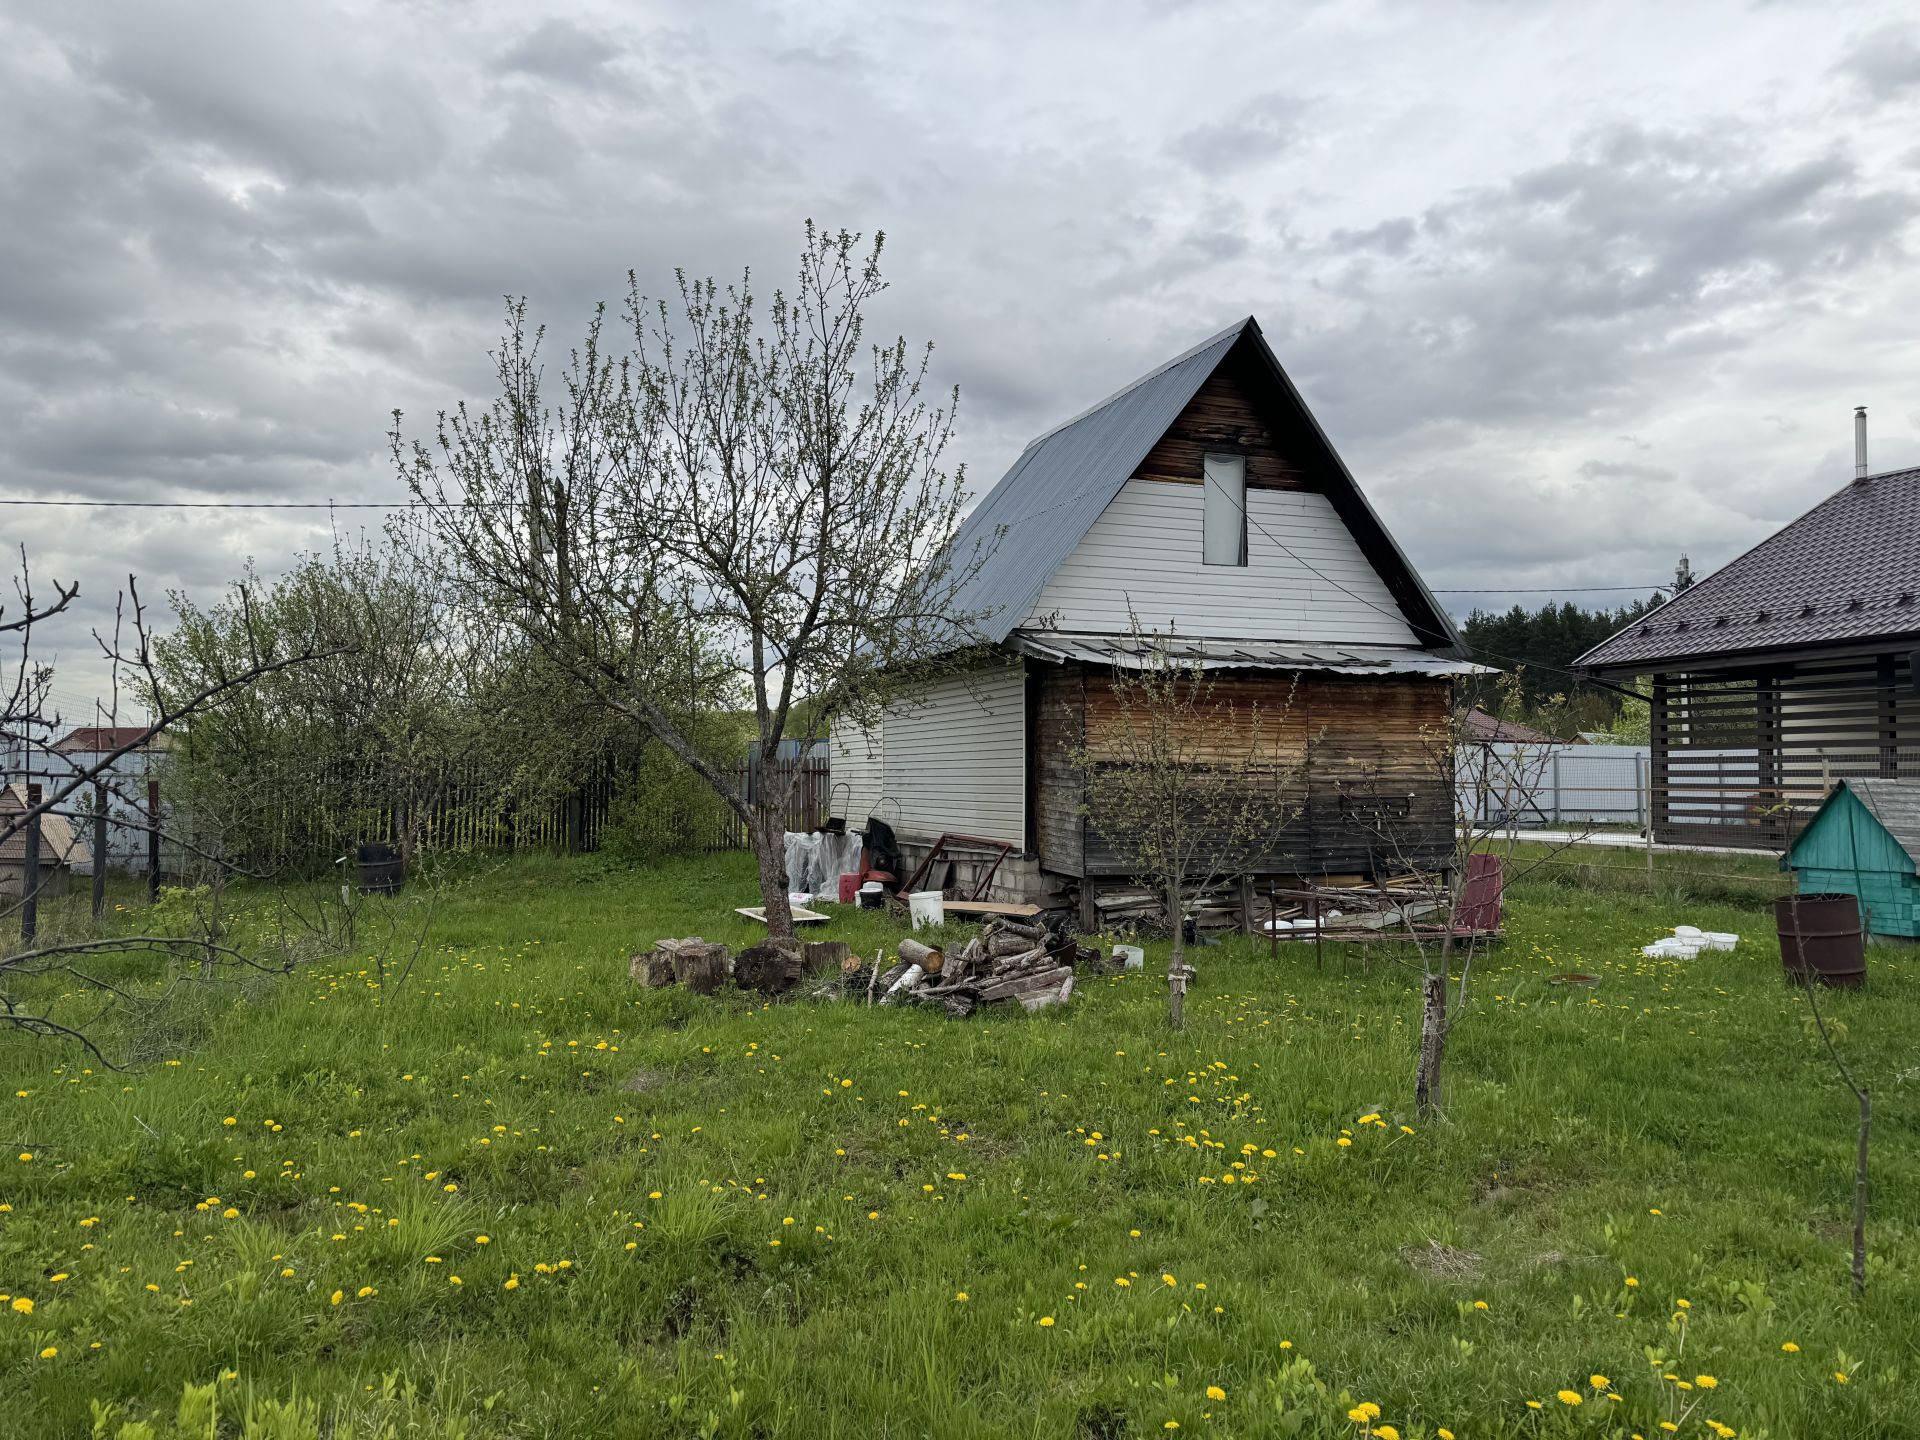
(1011, 961)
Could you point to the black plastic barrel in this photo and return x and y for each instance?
(1820, 939)
(380, 869)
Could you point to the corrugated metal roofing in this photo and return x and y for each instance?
(1216, 654)
(1847, 570)
(59, 845)
(1062, 481)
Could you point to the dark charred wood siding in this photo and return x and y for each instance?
(1223, 418)
(1059, 730)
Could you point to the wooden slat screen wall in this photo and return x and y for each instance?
(1744, 758)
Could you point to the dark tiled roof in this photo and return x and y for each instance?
(1847, 570)
(103, 737)
(1477, 724)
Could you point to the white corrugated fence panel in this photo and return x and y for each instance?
(1305, 577)
(957, 759)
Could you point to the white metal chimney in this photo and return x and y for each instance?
(1859, 442)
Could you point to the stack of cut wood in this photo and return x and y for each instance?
(1010, 961)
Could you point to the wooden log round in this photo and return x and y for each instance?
(769, 967)
(928, 957)
(699, 966)
(652, 968)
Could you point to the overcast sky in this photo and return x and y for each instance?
(1571, 287)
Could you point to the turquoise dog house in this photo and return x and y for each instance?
(1865, 841)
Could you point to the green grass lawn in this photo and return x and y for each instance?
(519, 1196)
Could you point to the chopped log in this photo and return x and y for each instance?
(927, 957)
(959, 1005)
(1041, 999)
(652, 968)
(1024, 984)
(892, 973)
(700, 966)
(769, 967)
(909, 978)
(826, 954)
(1014, 927)
(1010, 944)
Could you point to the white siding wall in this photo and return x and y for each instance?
(955, 760)
(1145, 550)
(858, 766)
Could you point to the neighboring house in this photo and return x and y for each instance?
(1205, 498)
(125, 779)
(1790, 668)
(1478, 727)
(61, 849)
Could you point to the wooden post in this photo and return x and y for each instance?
(153, 842)
(30, 870)
(99, 848)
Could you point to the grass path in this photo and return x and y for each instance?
(518, 1196)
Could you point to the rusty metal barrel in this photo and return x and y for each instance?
(380, 870)
(1820, 939)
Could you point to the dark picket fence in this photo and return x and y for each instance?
(311, 816)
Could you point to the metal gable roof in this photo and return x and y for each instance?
(1062, 481)
(1029, 523)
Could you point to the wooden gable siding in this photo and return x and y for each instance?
(1222, 418)
(1370, 791)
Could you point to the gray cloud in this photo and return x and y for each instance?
(1564, 310)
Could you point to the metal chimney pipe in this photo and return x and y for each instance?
(1859, 442)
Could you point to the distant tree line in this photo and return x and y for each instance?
(1543, 644)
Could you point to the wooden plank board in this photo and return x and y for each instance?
(990, 907)
(801, 915)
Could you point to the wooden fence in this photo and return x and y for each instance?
(309, 816)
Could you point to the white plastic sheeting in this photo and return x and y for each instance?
(816, 861)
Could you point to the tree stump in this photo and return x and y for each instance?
(652, 968)
(700, 966)
(769, 967)
(829, 954)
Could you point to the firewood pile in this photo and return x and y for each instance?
(1009, 962)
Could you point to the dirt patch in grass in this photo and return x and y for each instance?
(1443, 1262)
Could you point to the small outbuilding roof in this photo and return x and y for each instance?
(59, 845)
(1208, 653)
(1024, 528)
(1895, 804)
(1846, 571)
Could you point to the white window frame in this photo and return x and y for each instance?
(1221, 475)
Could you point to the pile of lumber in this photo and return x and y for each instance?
(1011, 961)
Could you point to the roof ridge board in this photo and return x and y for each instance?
(1234, 331)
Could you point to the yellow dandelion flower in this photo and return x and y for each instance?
(1790, 1347)
(1385, 1432)
(1599, 1382)
(337, 1297)
(1568, 1397)
(1705, 1382)
(49, 1352)
(512, 1282)
(1046, 1322)
(1363, 1412)
(1214, 1392)
(22, 1305)
(961, 1296)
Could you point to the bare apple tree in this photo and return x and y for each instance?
(1185, 783)
(751, 495)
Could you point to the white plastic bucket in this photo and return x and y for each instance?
(1133, 955)
(928, 907)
